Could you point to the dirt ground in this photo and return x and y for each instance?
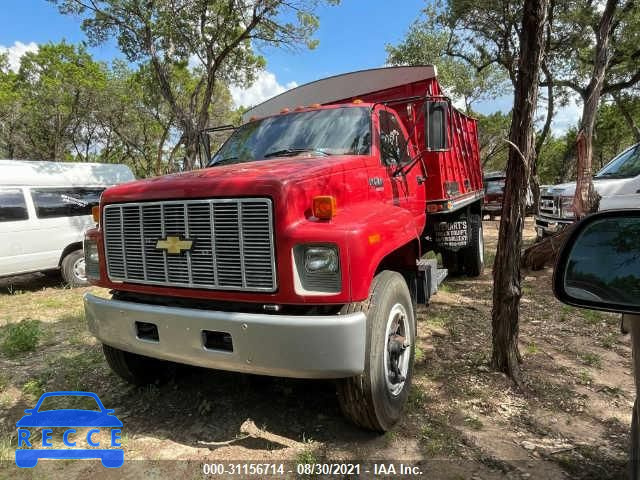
(463, 420)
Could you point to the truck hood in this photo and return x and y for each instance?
(260, 178)
(605, 187)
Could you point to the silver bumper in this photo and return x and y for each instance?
(331, 346)
(550, 225)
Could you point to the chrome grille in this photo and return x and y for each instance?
(232, 245)
(549, 206)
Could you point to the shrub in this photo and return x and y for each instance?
(21, 337)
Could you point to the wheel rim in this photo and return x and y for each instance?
(397, 352)
(79, 270)
(481, 246)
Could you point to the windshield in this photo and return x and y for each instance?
(335, 131)
(494, 186)
(625, 165)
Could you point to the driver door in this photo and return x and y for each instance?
(393, 178)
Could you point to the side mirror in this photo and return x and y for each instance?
(436, 124)
(599, 265)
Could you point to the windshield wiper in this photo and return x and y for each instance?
(293, 151)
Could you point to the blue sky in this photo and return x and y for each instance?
(352, 37)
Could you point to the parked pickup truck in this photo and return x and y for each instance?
(300, 250)
(618, 184)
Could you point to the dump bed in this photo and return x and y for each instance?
(454, 174)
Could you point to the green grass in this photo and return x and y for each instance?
(33, 388)
(437, 440)
(416, 398)
(390, 437)
(489, 259)
(532, 348)
(21, 337)
(418, 355)
(591, 359)
(473, 422)
(585, 377)
(565, 312)
(609, 340)
(592, 316)
(52, 302)
(306, 457)
(446, 287)
(7, 448)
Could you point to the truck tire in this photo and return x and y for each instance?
(136, 369)
(376, 399)
(474, 254)
(73, 269)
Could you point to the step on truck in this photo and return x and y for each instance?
(304, 245)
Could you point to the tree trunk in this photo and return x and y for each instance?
(585, 197)
(541, 253)
(506, 274)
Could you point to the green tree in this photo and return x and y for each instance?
(55, 92)
(493, 129)
(218, 35)
(593, 51)
(427, 43)
(11, 114)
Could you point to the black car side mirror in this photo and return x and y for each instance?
(599, 265)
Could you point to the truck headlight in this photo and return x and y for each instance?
(91, 259)
(321, 259)
(316, 269)
(566, 207)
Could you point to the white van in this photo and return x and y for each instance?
(45, 207)
(618, 183)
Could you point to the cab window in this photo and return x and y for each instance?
(393, 143)
(65, 202)
(12, 205)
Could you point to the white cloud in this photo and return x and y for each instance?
(567, 116)
(265, 86)
(16, 51)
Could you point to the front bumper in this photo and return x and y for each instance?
(550, 225)
(331, 346)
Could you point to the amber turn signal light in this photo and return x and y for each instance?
(324, 207)
(95, 213)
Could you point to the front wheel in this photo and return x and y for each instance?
(73, 269)
(376, 399)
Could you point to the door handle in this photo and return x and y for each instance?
(420, 179)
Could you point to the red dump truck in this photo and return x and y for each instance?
(301, 249)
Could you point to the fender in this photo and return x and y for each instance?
(374, 234)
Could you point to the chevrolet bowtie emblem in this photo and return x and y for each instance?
(174, 245)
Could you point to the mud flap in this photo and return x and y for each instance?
(452, 235)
